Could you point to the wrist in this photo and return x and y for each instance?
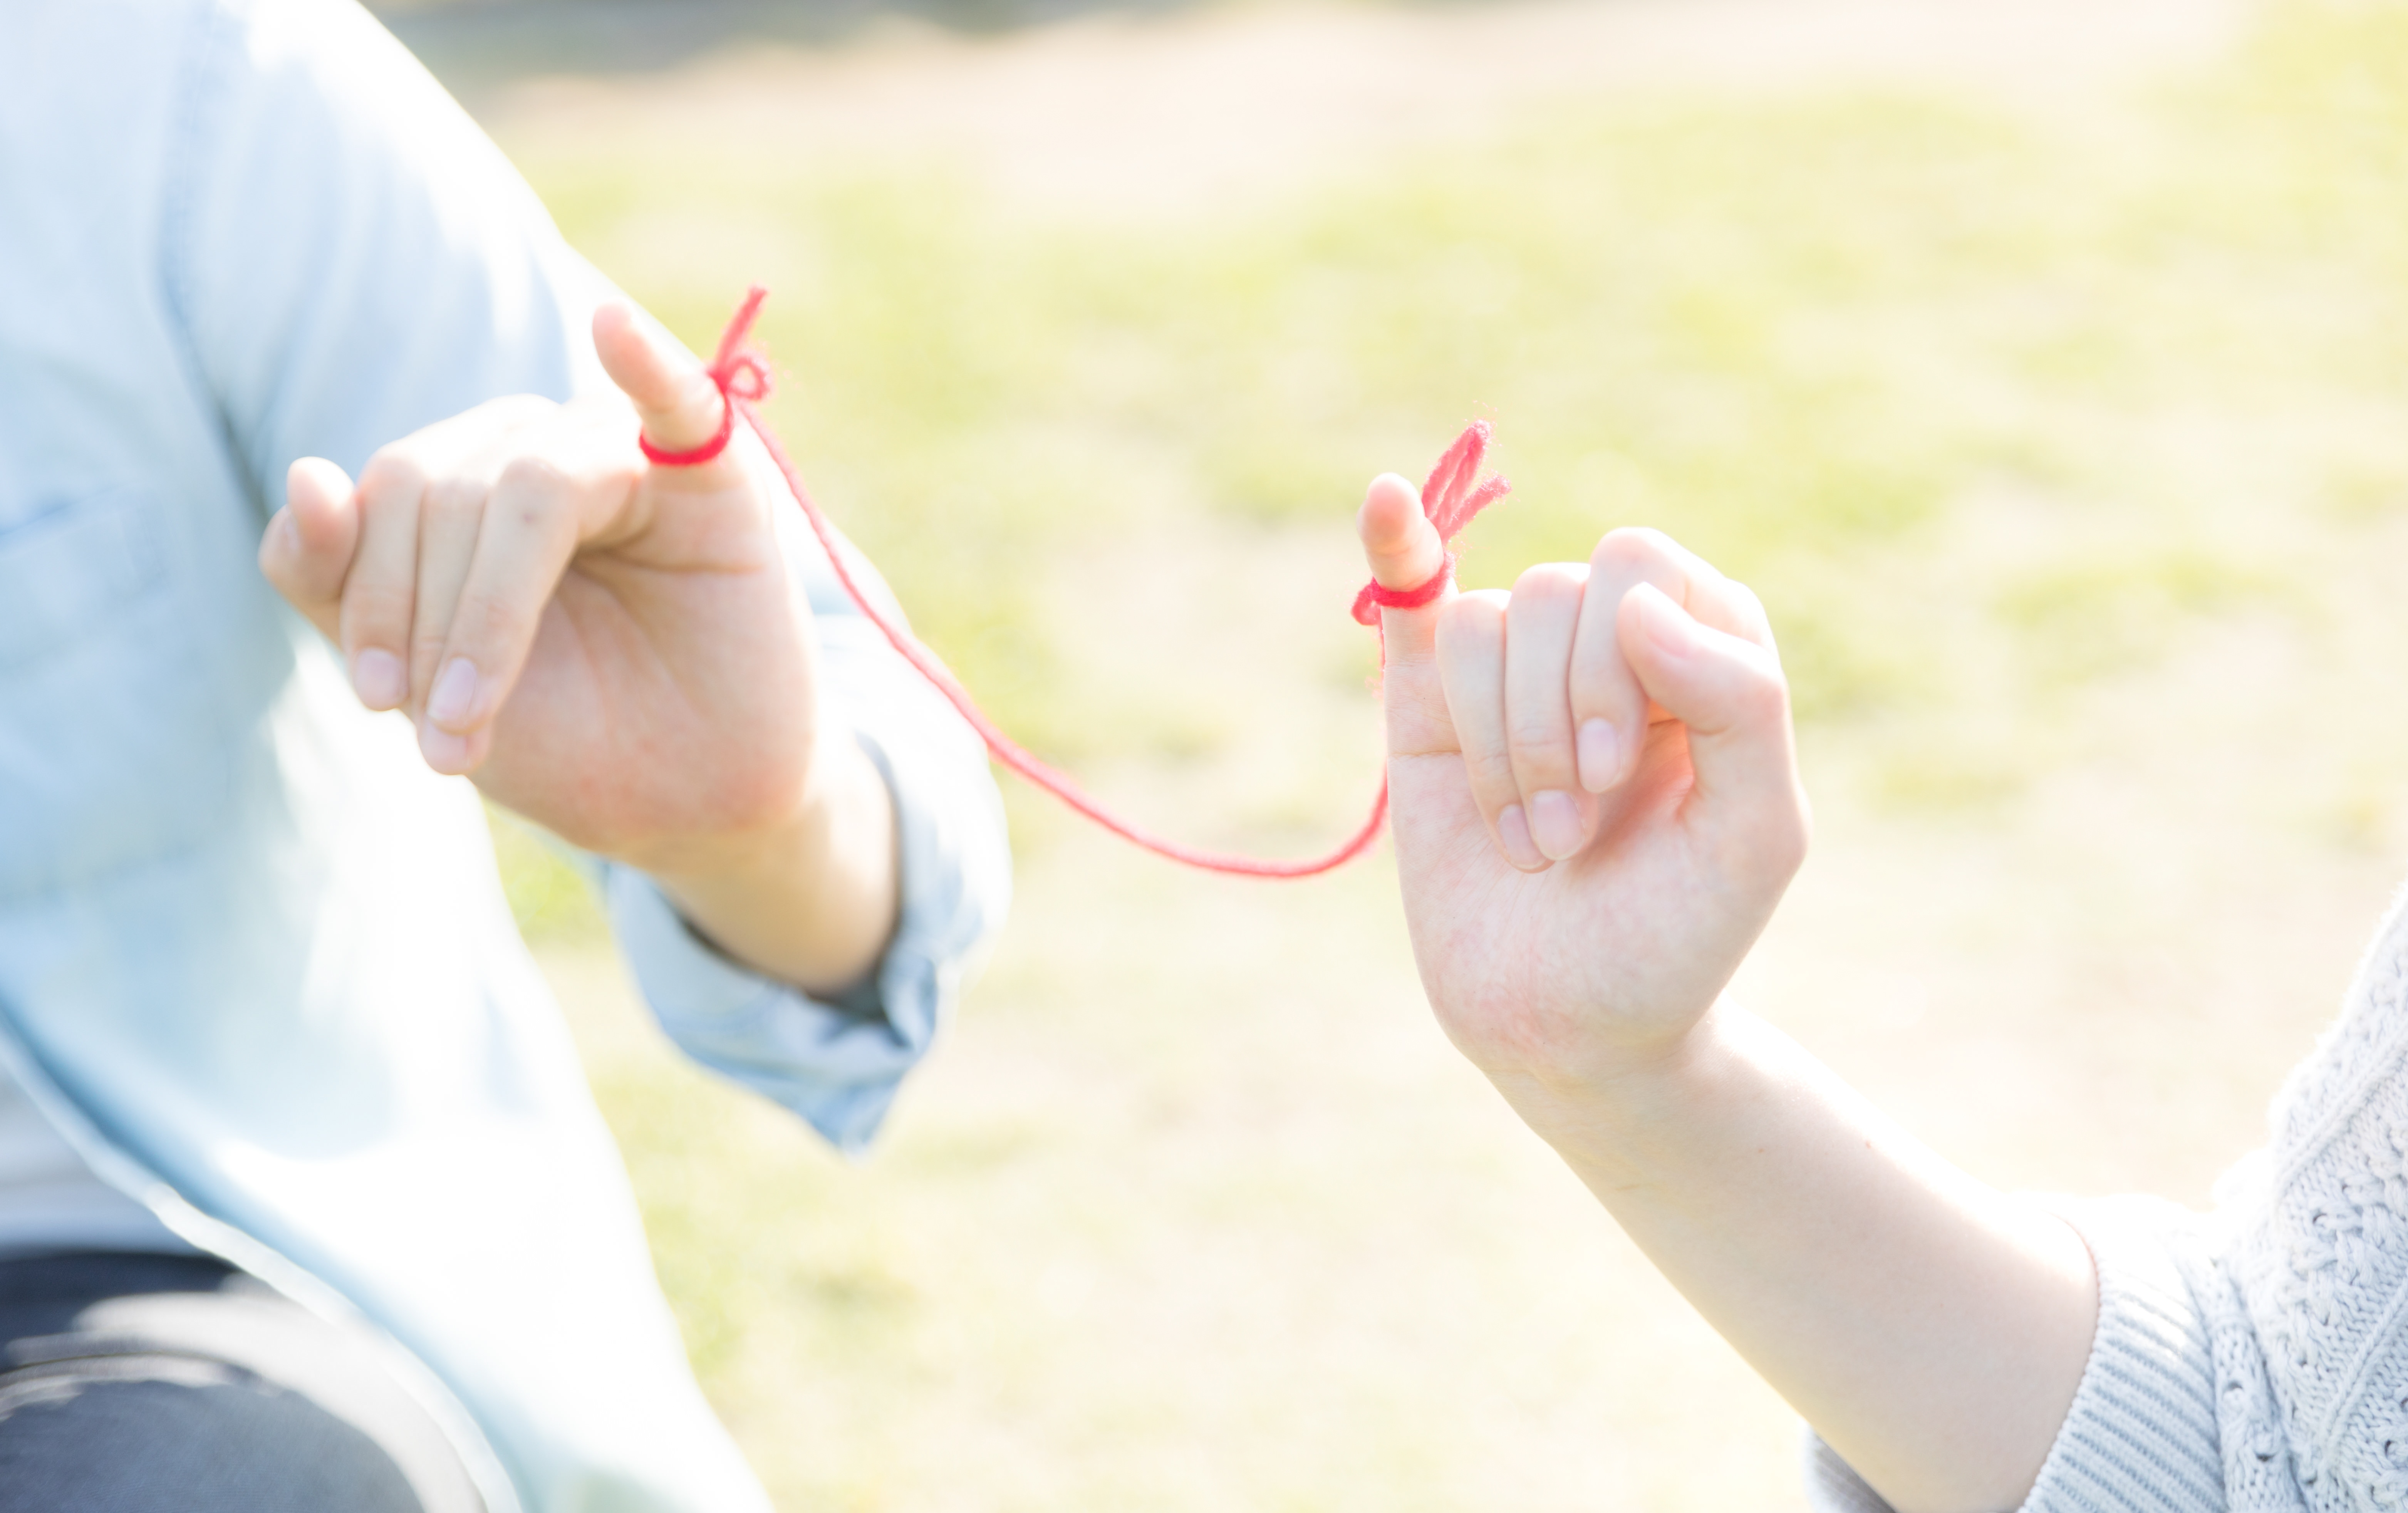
(766, 839)
(809, 895)
(1615, 1114)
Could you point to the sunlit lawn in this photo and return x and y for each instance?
(2068, 448)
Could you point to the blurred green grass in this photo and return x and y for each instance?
(1794, 334)
(549, 898)
(2015, 415)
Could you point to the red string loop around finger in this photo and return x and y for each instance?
(1375, 598)
(1452, 496)
(695, 457)
(739, 374)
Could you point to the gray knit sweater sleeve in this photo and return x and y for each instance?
(2254, 1360)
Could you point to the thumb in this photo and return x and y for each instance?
(1404, 552)
(679, 405)
(306, 553)
(1729, 694)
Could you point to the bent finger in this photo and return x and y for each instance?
(451, 517)
(381, 594)
(1470, 655)
(1609, 710)
(529, 532)
(1540, 623)
(1729, 694)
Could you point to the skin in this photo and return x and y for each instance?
(1595, 810)
(614, 649)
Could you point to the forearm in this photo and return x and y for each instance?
(1932, 1329)
(812, 900)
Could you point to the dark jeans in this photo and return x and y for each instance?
(139, 1384)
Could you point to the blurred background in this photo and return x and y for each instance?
(2044, 365)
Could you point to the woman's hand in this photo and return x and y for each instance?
(1596, 798)
(1597, 807)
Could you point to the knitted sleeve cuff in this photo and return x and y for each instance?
(2141, 1436)
(1832, 1485)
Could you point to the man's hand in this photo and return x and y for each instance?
(1594, 793)
(614, 649)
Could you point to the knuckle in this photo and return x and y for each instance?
(394, 473)
(1471, 622)
(1614, 700)
(377, 613)
(543, 520)
(1774, 844)
(1546, 583)
(1767, 843)
(427, 637)
(1492, 775)
(1763, 694)
(453, 498)
(1540, 752)
(1629, 549)
(536, 474)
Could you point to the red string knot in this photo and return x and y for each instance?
(1453, 493)
(741, 376)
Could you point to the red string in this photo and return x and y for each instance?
(1453, 494)
(740, 374)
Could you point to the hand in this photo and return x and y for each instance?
(614, 649)
(1596, 808)
(1595, 796)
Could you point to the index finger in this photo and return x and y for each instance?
(1609, 710)
(545, 501)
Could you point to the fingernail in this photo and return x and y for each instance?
(443, 751)
(1514, 831)
(288, 535)
(1555, 824)
(453, 698)
(1600, 755)
(378, 678)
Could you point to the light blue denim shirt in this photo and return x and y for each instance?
(254, 961)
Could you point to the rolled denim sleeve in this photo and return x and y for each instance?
(388, 299)
(837, 1064)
